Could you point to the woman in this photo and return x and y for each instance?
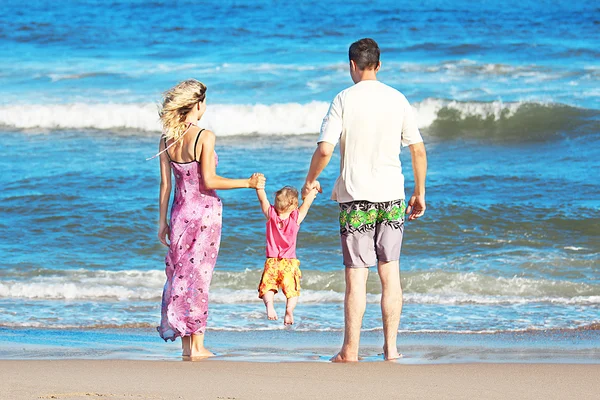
(194, 231)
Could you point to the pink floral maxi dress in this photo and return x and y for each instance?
(196, 215)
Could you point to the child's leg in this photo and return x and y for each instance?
(268, 299)
(268, 286)
(290, 287)
(289, 310)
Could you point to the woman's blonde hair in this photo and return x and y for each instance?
(177, 103)
(286, 198)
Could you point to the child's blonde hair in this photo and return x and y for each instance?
(286, 198)
(177, 103)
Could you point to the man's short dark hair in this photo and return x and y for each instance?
(365, 53)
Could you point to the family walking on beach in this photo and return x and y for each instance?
(371, 122)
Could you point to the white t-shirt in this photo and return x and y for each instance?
(371, 121)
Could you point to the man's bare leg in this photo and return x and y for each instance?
(391, 306)
(268, 299)
(355, 303)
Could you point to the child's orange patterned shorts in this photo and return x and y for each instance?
(281, 272)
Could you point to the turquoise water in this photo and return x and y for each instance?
(506, 96)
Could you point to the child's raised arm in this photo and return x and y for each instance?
(308, 200)
(264, 201)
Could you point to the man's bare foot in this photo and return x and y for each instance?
(289, 318)
(391, 355)
(271, 313)
(339, 358)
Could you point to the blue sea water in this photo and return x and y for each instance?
(506, 95)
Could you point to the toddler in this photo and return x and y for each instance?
(282, 269)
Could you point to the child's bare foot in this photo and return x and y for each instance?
(289, 318)
(271, 313)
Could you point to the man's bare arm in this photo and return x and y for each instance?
(319, 161)
(416, 204)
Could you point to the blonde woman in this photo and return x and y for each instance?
(194, 232)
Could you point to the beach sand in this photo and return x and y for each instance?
(214, 379)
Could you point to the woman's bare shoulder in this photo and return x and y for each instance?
(207, 135)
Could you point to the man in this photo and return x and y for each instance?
(371, 121)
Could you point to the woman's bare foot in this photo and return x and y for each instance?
(289, 318)
(201, 353)
(186, 346)
(271, 313)
(193, 347)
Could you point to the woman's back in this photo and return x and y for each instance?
(183, 157)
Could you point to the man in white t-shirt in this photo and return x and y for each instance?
(371, 121)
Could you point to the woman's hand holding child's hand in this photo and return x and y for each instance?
(257, 181)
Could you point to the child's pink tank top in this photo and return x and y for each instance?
(282, 234)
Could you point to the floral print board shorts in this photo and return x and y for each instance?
(371, 232)
(281, 272)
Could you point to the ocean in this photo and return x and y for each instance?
(508, 102)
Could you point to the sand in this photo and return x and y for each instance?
(213, 379)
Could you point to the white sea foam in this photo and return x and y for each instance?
(226, 119)
(435, 287)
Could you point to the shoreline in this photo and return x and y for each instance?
(213, 379)
(288, 345)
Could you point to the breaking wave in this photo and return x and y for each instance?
(520, 121)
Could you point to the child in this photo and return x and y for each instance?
(282, 268)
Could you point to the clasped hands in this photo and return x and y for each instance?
(309, 187)
(257, 181)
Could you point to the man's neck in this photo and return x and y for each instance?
(367, 75)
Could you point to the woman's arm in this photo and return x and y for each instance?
(209, 169)
(164, 195)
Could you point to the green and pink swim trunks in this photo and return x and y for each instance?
(371, 232)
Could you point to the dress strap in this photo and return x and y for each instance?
(196, 144)
(190, 124)
(166, 151)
